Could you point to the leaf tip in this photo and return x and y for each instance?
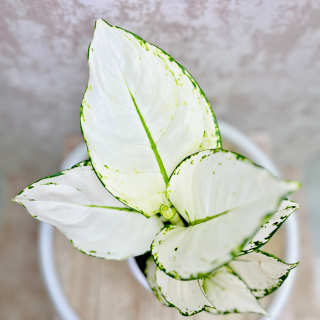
(293, 265)
(99, 23)
(294, 185)
(15, 199)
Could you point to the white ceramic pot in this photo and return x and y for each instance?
(252, 151)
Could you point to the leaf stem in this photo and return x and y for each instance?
(176, 220)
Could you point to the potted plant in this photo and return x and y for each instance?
(157, 180)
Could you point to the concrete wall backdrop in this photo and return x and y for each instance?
(257, 61)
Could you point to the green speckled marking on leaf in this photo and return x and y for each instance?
(259, 244)
(280, 280)
(48, 184)
(86, 163)
(194, 82)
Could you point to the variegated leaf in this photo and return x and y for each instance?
(142, 113)
(96, 223)
(229, 294)
(269, 228)
(150, 272)
(186, 296)
(225, 198)
(262, 272)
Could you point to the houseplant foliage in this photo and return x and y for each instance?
(158, 180)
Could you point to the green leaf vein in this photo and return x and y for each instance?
(153, 145)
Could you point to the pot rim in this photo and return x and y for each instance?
(236, 137)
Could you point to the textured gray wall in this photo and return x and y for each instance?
(257, 61)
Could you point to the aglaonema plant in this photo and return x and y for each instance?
(157, 180)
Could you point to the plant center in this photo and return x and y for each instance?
(167, 212)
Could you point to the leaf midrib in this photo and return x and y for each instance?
(193, 223)
(106, 207)
(153, 145)
(85, 205)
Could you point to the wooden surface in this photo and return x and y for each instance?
(22, 293)
(102, 289)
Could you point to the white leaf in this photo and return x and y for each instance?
(229, 294)
(212, 182)
(262, 272)
(96, 223)
(142, 113)
(265, 233)
(186, 296)
(225, 198)
(150, 273)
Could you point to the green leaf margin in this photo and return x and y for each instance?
(145, 45)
